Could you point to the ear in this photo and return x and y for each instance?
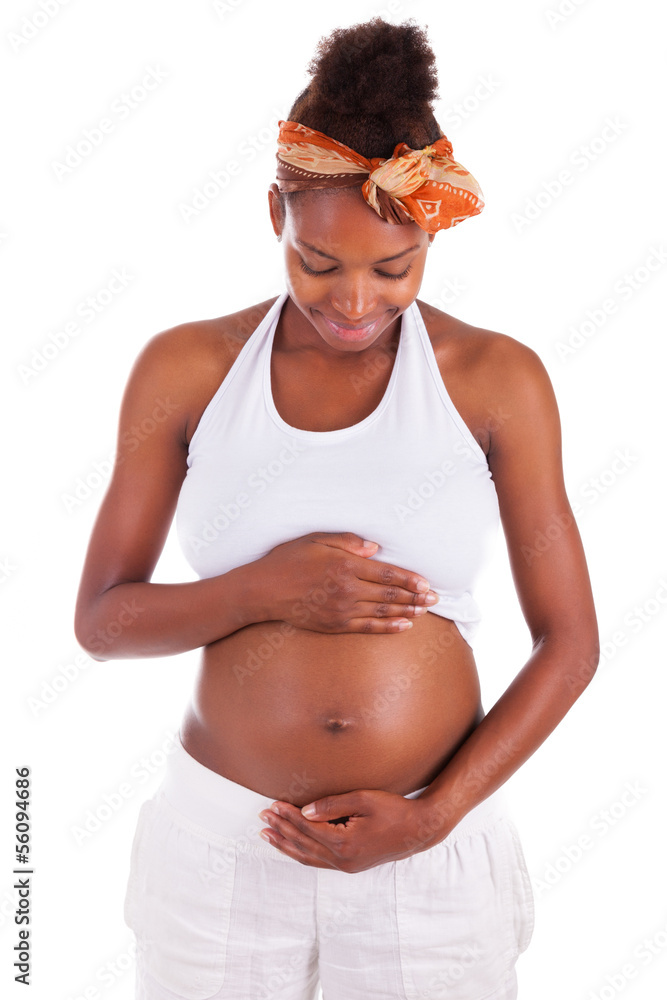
(276, 210)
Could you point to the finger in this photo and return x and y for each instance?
(376, 626)
(368, 609)
(393, 596)
(393, 577)
(293, 841)
(290, 820)
(285, 847)
(347, 540)
(384, 617)
(333, 808)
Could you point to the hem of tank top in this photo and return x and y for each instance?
(235, 368)
(431, 359)
(467, 634)
(467, 629)
(339, 433)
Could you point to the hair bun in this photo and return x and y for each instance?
(375, 68)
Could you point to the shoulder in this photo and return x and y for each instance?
(473, 346)
(206, 339)
(190, 360)
(487, 373)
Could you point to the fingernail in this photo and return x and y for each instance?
(309, 811)
(423, 586)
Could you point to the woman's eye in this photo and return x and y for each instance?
(309, 270)
(396, 277)
(392, 277)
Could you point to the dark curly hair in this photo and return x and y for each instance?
(372, 87)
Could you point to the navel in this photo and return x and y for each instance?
(337, 724)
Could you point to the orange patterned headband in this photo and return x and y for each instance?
(426, 186)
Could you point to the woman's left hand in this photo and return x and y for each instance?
(379, 827)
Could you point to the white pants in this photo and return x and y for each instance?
(219, 913)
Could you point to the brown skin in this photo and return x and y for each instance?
(306, 726)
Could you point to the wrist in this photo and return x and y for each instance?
(252, 593)
(435, 819)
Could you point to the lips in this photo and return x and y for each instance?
(351, 332)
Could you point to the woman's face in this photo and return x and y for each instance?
(349, 272)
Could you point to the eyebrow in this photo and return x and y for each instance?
(330, 257)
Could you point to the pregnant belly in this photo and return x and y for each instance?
(303, 715)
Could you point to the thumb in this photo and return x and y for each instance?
(347, 540)
(331, 807)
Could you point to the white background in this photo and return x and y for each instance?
(535, 91)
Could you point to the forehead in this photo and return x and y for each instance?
(341, 219)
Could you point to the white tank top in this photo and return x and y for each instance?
(410, 476)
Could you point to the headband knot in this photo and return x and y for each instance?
(426, 186)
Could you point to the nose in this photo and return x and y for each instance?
(354, 299)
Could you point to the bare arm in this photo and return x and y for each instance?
(551, 577)
(119, 613)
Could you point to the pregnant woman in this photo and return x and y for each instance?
(339, 460)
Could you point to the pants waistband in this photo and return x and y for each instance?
(209, 801)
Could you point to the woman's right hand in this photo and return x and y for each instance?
(324, 581)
